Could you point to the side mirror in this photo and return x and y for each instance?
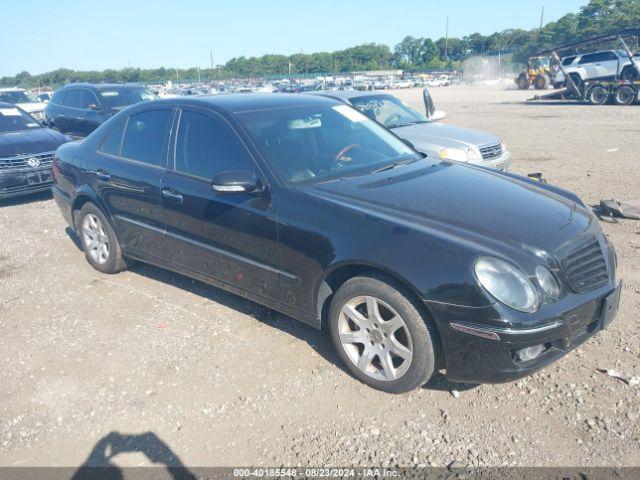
(236, 181)
(94, 107)
(437, 116)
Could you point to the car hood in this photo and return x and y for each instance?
(463, 203)
(32, 107)
(435, 136)
(38, 140)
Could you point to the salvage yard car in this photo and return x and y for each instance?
(25, 100)
(306, 205)
(602, 65)
(425, 133)
(26, 152)
(77, 109)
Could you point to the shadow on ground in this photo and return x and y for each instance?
(99, 464)
(24, 199)
(316, 339)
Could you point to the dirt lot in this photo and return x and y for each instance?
(223, 381)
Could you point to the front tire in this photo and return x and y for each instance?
(381, 334)
(99, 242)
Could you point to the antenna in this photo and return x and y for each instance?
(542, 18)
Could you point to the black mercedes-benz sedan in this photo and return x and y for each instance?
(306, 205)
(26, 152)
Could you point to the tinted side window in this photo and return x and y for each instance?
(73, 98)
(206, 146)
(607, 56)
(568, 61)
(145, 135)
(88, 98)
(113, 141)
(57, 97)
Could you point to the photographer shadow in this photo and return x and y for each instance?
(98, 464)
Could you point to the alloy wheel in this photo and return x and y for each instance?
(375, 338)
(96, 240)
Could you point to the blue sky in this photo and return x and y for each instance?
(39, 36)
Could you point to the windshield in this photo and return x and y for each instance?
(308, 144)
(388, 110)
(13, 119)
(17, 96)
(116, 98)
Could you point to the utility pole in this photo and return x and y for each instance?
(446, 40)
(542, 18)
(211, 57)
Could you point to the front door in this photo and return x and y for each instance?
(126, 172)
(230, 237)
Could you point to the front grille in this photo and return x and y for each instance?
(585, 267)
(26, 161)
(491, 151)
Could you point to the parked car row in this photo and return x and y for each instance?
(414, 263)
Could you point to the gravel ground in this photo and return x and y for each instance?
(222, 381)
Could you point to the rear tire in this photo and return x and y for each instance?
(99, 242)
(542, 82)
(598, 95)
(624, 95)
(381, 334)
(523, 82)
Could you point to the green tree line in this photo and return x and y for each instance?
(413, 54)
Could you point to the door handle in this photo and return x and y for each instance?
(171, 194)
(102, 175)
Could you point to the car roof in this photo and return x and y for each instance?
(12, 89)
(245, 102)
(348, 94)
(103, 86)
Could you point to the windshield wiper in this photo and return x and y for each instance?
(395, 164)
(407, 124)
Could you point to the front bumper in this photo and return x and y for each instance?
(475, 359)
(16, 182)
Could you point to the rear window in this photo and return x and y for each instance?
(57, 97)
(118, 98)
(145, 136)
(568, 61)
(113, 141)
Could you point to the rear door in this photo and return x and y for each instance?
(66, 120)
(127, 173)
(229, 237)
(90, 115)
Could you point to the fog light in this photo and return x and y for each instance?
(529, 353)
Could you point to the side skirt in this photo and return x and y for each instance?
(274, 305)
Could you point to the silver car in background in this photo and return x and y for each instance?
(424, 131)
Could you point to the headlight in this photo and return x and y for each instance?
(548, 282)
(504, 146)
(454, 154)
(473, 155)
(507, 284)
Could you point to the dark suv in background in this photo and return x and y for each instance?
(79, 108)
